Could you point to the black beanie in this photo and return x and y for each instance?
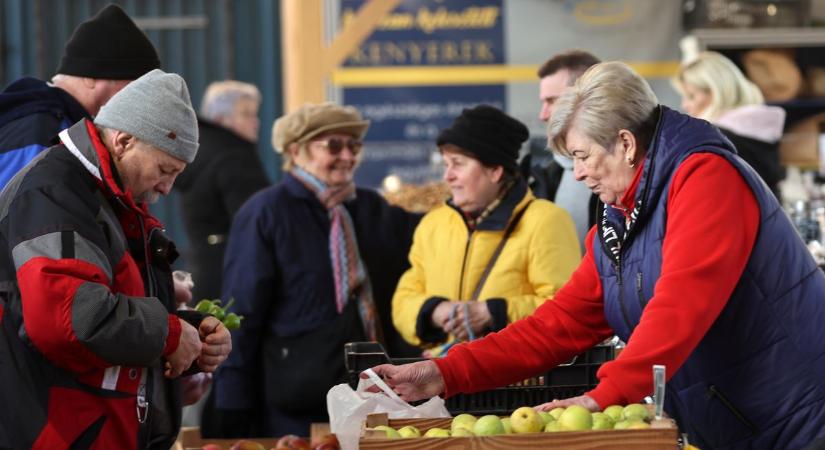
(109, 46)
(492, 136)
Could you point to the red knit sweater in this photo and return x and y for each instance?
(712, 221)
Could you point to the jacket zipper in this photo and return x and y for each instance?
(625, 315)
(147, 258)
(642, 302)
(713, 392)
(464, 264)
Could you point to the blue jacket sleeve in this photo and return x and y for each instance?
(250, 277)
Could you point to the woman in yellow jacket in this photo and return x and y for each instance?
(493, 253)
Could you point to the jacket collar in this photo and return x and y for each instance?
(82, 141)
(515, 199)
(29, 95)
(297, 189)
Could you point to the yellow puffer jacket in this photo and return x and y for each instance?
(537, 259)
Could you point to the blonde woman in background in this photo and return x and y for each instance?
(714, 89)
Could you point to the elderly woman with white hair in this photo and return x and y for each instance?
(714, 89)
(692, 263)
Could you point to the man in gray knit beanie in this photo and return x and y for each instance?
(156, 109)
(80, 247)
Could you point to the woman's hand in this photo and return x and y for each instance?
(415, 381)
(474, 314)
(441, 314)
(581, 400)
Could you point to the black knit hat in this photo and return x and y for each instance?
(492, 136)
(109, 46)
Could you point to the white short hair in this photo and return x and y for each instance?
(607, 98)
(220, 98)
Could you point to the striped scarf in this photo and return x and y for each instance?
(349, 272)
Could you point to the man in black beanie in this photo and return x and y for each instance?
(101, 57)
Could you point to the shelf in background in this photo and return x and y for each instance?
(720, 38)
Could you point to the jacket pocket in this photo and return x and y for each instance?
(713, 392)
(299, 370)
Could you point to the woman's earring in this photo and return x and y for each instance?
(630, 162)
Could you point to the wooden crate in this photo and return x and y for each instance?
(190, 438)
(648, 439)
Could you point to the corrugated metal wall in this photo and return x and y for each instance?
(203, 40)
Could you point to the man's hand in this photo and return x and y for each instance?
(189, 348)
(582, 400)
(194, 386)
(414, 381)
(217, 343)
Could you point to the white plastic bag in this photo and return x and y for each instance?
(348, 409)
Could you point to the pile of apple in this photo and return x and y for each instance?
(288, 442)
(528, 420)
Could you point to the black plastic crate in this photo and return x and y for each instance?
(567, 380)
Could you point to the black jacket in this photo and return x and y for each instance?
(762, 156)
(86, 313)
(226, 172)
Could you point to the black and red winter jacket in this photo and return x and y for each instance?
(87, 306)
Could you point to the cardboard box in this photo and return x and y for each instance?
(648, 439)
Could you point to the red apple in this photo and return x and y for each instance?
(293, 442)
(243, 444)
(326, 442)
(212, 447)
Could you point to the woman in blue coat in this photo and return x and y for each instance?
(311, 263)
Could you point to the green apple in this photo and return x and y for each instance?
(556, 412)
(391, 432)
(638, 426)
(508, 427)
(622, 425)
(409, 431)
(526, 420)
(461, 432)
(636, 411)
(489, 425)
(616, 412)
(463, 421)
(601, 421)
(437, 432)
(575, 418)
(552, 427)
(546, 417)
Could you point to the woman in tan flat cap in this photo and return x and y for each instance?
(311, 263)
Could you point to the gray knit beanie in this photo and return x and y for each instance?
(156, 109)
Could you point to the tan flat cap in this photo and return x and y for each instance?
(311, 120)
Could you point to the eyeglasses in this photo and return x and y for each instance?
(336, 145)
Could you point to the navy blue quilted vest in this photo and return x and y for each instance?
(757, 378)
